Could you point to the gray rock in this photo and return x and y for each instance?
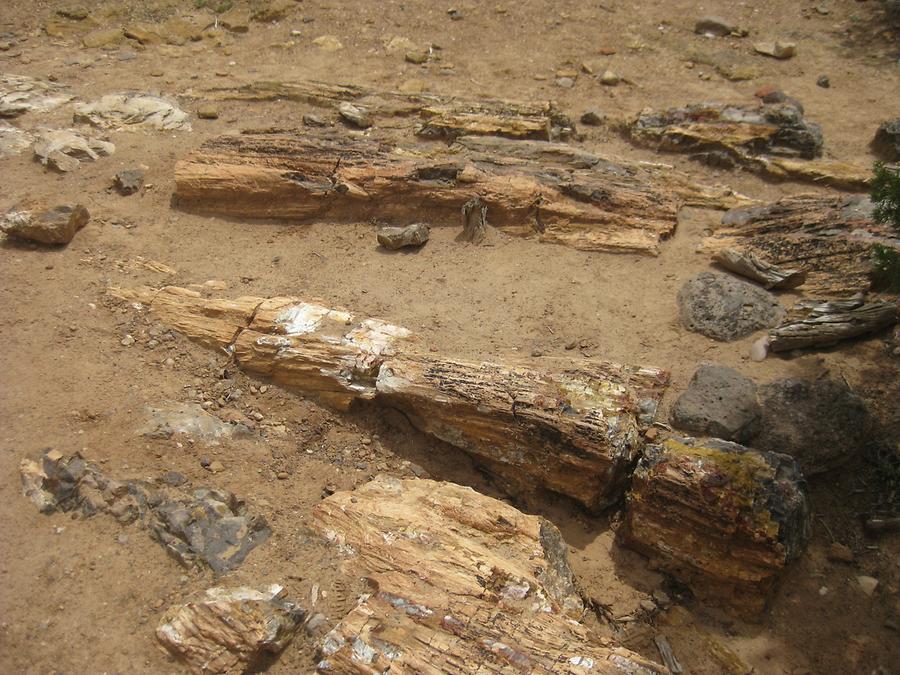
(56, 225)
(712, 25)
(593, 117)
(821, 424)
(777, 50)
(357, 116)
(725, 308)
(311, 120)
(400, 237)
(823, 81)
(564, 82)
(719, 402)
(206, 525)
(129, 181)
(190, 419)
(886, 143)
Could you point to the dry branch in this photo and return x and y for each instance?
(570, 427)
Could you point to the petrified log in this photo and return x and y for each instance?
(573, 427)
(816, 324)
(773, 139)
(721, 518)
(460, 583)
(474, 214)
(829, 237)
(227, 630)
(349, 179)
(441, 116)
(755, 268)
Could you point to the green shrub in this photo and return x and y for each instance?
(885, 191)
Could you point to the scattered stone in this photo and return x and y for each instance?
(115, 111)
(20, 94)
(838, 552)
(413, 85)
(719, 402)
(145, 34)
(822, 424)
(317, 624)
(454, 14)
(126, 56)
(823, 81)
(661, 598)
(216, 466)
(609, 78)
(177, 31)
(73, 13)
(399, 237)
(418, 56)
(282, 475)
(205, 525)
(867, 584)
(236, 20)
(63, 149)
(778, 50)
(886, 143)
(311, 120)
(127, 341)
(273, 10)
(103, 38)
(759, 350)
(724, 308)
(208, 111)
(357, 116)
(191, 420)
(714, 27)
(13, 140)
(564, 82)
(593, 117)
(33, 222)
(228, 630)
(328, 43)
(129, 181)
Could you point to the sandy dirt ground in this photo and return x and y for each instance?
(84, 595)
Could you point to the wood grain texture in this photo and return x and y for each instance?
(820, 324)
(461, 583)
(572, 427)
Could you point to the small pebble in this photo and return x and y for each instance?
(127, 341)
(823, 81)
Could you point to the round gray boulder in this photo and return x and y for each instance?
(724, 308)
(719, 402)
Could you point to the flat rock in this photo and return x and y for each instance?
(20, 94)
(236, 20)
(227, 630)
(593, 117)
(64, 149)
(400, 237)
(778, 49)
(822, 424)
(13, 141)
(103, 38)
(205, 525)
(129, 181)
(273, 10)
(356, 115)
(328, 43)
(116, 111)
(56, 225)
(191, 420)
(208, 111)
(712, 25)
(719, 402)
(724, 308)
(886, 143)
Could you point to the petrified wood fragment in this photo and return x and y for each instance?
(773, 139)
(435, 116)
(831, 238)
(761, 271)
(347, 179)
(573, 427)
(228, 630)
(721, 518)
(816, 324)
(460, 583)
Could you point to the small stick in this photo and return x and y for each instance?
(668, 656)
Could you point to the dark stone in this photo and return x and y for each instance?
(719, 402)
(593, 117)
(400, 237)
(129, 181)
(53, 226)
(711, 25)
(823, 81)
(886, 143)
(821, 424)
(724, 308)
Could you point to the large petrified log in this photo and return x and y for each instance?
(460, 583)
(571, 427)
(719, 517)
(831, 238)
(817, 324)
(773, 139)
(349, 179)
(436, 116)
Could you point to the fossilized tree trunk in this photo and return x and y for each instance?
(830, 238)
(460, 583)
(348, 179)
(814, 324)
(772, 139)
(723, 519)
(437, 116)
(573, 427)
